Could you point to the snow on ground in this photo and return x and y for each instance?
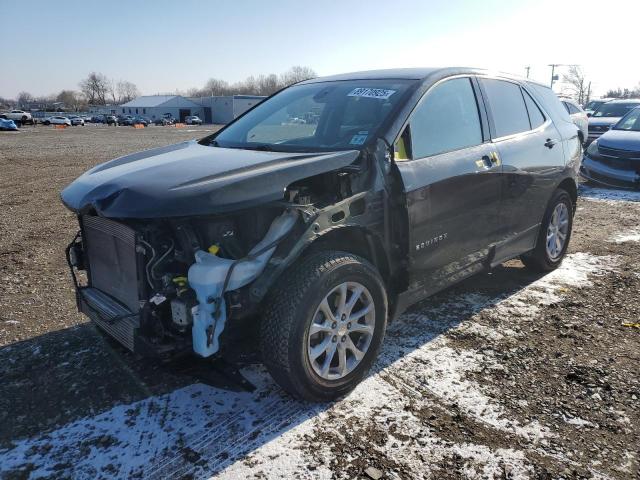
(205, 431)
(608, 195)
(631, 235)
(575, 271)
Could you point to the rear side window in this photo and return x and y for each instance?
(447, 119)
(549, 102)
(572, 108)
(535, 115)
(507, 107)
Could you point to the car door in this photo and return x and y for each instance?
(531, 151)
(451, 179)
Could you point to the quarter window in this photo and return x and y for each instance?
(447, 119)
(507, 107)
(535, 115)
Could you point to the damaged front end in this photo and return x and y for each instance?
(166, 285)
(152, 287)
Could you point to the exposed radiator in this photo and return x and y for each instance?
(110, 249)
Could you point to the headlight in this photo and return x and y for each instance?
(593, 148)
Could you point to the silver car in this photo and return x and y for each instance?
(607, 115)
(578, 117)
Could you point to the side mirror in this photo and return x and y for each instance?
(589, 114)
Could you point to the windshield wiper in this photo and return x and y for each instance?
(262, 148)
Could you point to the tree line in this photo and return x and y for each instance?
(98, 89)
(253, 85)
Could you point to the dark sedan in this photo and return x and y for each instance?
(614, 158)
(607, 115)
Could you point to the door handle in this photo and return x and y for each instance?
(550, 142)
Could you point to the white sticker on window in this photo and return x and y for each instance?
(379, 93)
(358, 140)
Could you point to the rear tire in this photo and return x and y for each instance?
(554, 235)
(334, 288)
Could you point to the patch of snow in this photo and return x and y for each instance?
(578, 422)
(608, 195)
(416, 447)
(632, 235)
(573, 273)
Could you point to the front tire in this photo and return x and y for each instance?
(554, 235)
(323, 325)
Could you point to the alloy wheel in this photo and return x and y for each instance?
(557, 231)
(341, 331)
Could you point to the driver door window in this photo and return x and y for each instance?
(447, 119)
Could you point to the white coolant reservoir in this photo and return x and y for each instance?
(207, 276)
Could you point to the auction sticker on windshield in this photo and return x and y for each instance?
(380, 93)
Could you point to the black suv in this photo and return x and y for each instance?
(316, 234)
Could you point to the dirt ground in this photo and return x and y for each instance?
(507, 375)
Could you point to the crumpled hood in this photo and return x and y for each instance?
(621, 140)
(191, 179)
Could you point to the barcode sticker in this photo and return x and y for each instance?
(379, 93)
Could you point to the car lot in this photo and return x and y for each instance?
(507, 375)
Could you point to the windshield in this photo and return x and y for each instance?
(614, 109)
(630, 122)
(593, 104)
(317, 116)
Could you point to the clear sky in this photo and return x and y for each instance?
(164, 45)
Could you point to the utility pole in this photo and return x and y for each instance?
(527, 68)
(553, 70)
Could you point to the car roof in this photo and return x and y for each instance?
(625, 100)
(410, 74)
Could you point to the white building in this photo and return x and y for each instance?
(219, 110)
(156, 106)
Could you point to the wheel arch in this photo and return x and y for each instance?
(569, 186)
(357, 240)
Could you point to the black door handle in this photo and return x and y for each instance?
(550, 142)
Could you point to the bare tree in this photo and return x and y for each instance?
(576, 83)
(70, 99)
(296, 74)
(215, 87)
(24, 98)
(623, 93)
(260, 85)
(95, 88)
(127, 91)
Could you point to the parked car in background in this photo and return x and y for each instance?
(166, 119)
(76, 120)
(57, 120)
(124, 120)
(19, 116)
(614, 158)
(139, 121)
(193, 120)
(315, 238)
(97, 119)
(593, 105)
(6, 124)
(111, 120)
(86, 118)
(578, 117)
(607, 115)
